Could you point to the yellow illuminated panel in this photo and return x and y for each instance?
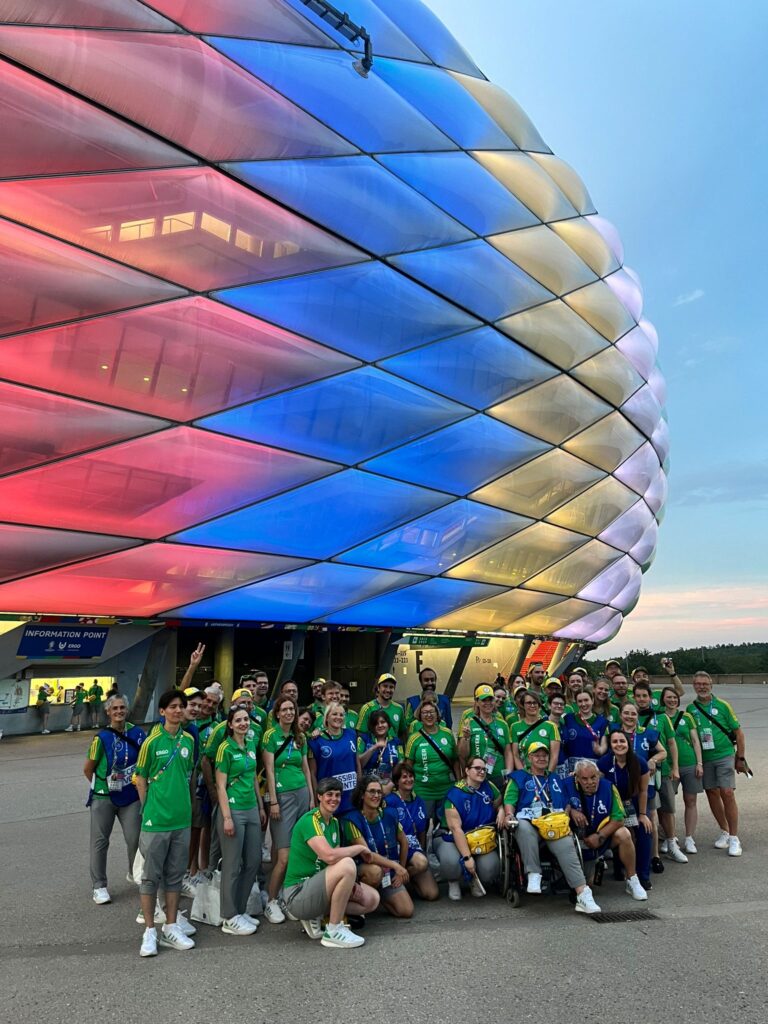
(541, 485)
(567, 180)
(555, 332)
(553, 411)
(576, 570)
(546, 257)
(600, 308)
(517, 558)
(526, 180)
(587, 243)
(611, 375)
(608, 443)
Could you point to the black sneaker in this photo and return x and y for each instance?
(646, 884)
(356, 921)
(657, 866)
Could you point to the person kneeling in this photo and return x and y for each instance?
(598, 810)
(320, 879)
(528, 796)
(380, 830)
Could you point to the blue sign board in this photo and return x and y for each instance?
(62, 642)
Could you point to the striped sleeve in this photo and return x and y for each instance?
(412, 739)
(221, 755)
(617, 806)
(95, 749)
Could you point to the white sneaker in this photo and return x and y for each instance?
(187, 886)
(734, 847)
(101, 895)
(476, 887)
(186, 927)
(313, 928)
(129, 878)
(237, 926)
(273, 913)
(70, 728)
(675, 853)
(634, 889)
(46, 732)
(585, 903)
(664, 846)
(454, 890)
(341, 937)
(251, 920)
(689, 846)
(159, 915)
(174, 937)
(148, 943)
(721, 843)
(265, 854)
(534, 883)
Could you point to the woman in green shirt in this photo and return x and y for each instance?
(689, 761)
(289, 786)
(239, 822)
(432, 748)
(533, 728)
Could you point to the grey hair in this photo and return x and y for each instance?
(111, 700)
(583, 762)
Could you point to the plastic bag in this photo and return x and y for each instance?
(206, 906)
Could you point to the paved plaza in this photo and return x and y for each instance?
(66, 960)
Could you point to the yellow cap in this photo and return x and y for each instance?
(483, 691)
(386, 677)
(553, 681)
(537, 745)
(193, 691)
(241, 695)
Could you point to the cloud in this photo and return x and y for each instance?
(686, 297)
(672, 617)
(739, 481)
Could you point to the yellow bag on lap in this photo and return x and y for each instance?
(554, 825)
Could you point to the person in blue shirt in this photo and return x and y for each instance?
(597, 810)
(333, 754)
(630, 774)
(378, 828)
(530, 795)
(428, 683)
(379, 752)
(583, 734)
(412, 814)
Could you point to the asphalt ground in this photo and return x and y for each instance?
(64, 959)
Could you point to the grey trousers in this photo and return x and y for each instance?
(240, 860)
(103, 816)
(563, 850)
(487, 864)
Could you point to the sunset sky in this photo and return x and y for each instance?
(661, 109)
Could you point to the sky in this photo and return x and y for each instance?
(660, 107)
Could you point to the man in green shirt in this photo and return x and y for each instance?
(385, 691)
(719, 731)
(164, 782)
(44, 707)
(77, 702)
(95, 697)
(485, 734)
(321, 876)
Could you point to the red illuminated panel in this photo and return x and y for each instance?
(153, 486)
(180, 359)
(48, 131)
(37, 428)
(144, 581)
(179, 87)
(87, 13)
(191, 225)
(273, 20)
(44, 281)
(27, 549)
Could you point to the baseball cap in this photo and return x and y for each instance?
(613, 662)
(387, 677)
(483, 691)
(536, 746)
(242, 695)
(192, 691)
(553, 681)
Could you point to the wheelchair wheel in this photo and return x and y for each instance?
(504, 857)
(513, 898)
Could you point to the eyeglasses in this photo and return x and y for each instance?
(478, 768)
(374, 792)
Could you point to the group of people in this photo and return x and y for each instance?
(89, 700)
(370, 809)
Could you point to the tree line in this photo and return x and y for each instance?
(718, 660)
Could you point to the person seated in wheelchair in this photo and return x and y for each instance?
(467, 848)
(597, 811)
(536, 807)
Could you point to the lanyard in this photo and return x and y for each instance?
(408, 812)
(372, 841)
(587, 726)
(174, 752)
(541, 792)
(380, 759)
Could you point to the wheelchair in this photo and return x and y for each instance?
(512, 874)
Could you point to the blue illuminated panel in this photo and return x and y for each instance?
(479, 368)
(435, 542)
(446, 103)
(297, 596)
(357, 198)
(430, 34)
(461, 458)
(476, 276)
(414, 605)
(369, 311)
(463, 187)
(349, 418)
(318, 522)
(367, 112)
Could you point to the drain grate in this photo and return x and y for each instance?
(616, 917)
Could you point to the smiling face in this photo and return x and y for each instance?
(329, 802)
(290, 690)
(575, 684)
(174, 713)
(602, 690)
(628, 716)
(619, 744)
(584, 704)
(380, 726)
(386, 690)
(670, 700)
(537, 675)
(194, 708)
(620, 685)
(428, 713)
(117, 712)
(557, 706)
(702, 684)
(539, 759)
(428, 679)
(262, 687)
(372, 796)
(642, 698)
(407, 781)
(285, 712)
(334, 719)
(240, 722)
(530, 706)
(305, 721)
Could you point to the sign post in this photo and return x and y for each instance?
(59, 642)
